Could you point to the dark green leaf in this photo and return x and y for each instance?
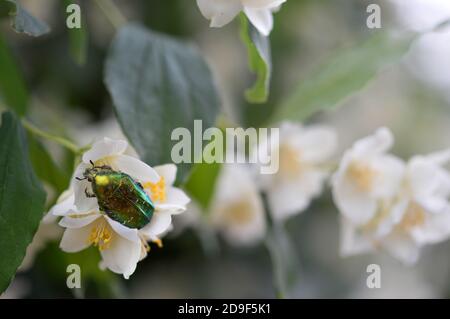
(260, 61)
(157, 84)
(44, 166)
(343, 75)
(22, 198)
(12, 87)
(23, 21)
(201, 183)
(78, 38)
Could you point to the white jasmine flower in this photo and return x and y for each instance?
(237, 209)
(364, 187)
(304, 154)
(121, 247)
(259, 12)
(367, 177)
(412, 211)
(423, 207)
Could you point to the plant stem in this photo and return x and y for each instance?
(57, 139)
(112, 12)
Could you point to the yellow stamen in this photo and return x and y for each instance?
(157, 190)
(101, 235)
(290, 162)
(414, 216)
(158, 242)
(239, 212)
(362, 175)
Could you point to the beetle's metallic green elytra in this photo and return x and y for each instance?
(119, 196)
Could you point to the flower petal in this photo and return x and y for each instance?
(176, 196)
(122, 256)
(352, 242)
(82, 202)
(359, 207)
(66, 202)
(375, 144)
(75, 239)
(135, 168)
(104, 148)
(130, 234)
(261, 18)
(289, 197)
(168, 171)
(160, 223)
(262, 4)
(220, 12)
(69, 222)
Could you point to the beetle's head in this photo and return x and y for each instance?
(90, 173)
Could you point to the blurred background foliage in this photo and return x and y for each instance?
(68, 98)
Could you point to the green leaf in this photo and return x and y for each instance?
(22, 198)
(78, 38)
(13, 92)
(260, 61)
(157, 84)
(201, 183)
(343, 75)
(44, 166)
(23, 21)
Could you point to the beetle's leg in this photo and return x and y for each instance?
(89, 195)
(80, 179)
(140, 185)
(92, 163)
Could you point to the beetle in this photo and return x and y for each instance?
(119, 196)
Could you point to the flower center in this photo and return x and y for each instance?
(101, 235)
(239, 212)
(362, 175)
(157, 190)
(290, 162)
(414, 216)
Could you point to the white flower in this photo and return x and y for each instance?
(304, 153)
(259, 12)
(121, 247)
(237, 209)
(364, 187)
(422, 207)
(367, 177)
(410, 209)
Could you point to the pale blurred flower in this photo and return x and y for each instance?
(386, 204)
(259, 12)
(367, 177)
(422, 207)
(237, 210)
(304, 165)
(363, 188)
(121, 247)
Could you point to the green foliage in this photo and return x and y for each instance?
(157, 84)
(22, 198)
(78, 38)
(259, 59)
(201, 183)
(341, 76)
(44, 166)
(12, 87)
